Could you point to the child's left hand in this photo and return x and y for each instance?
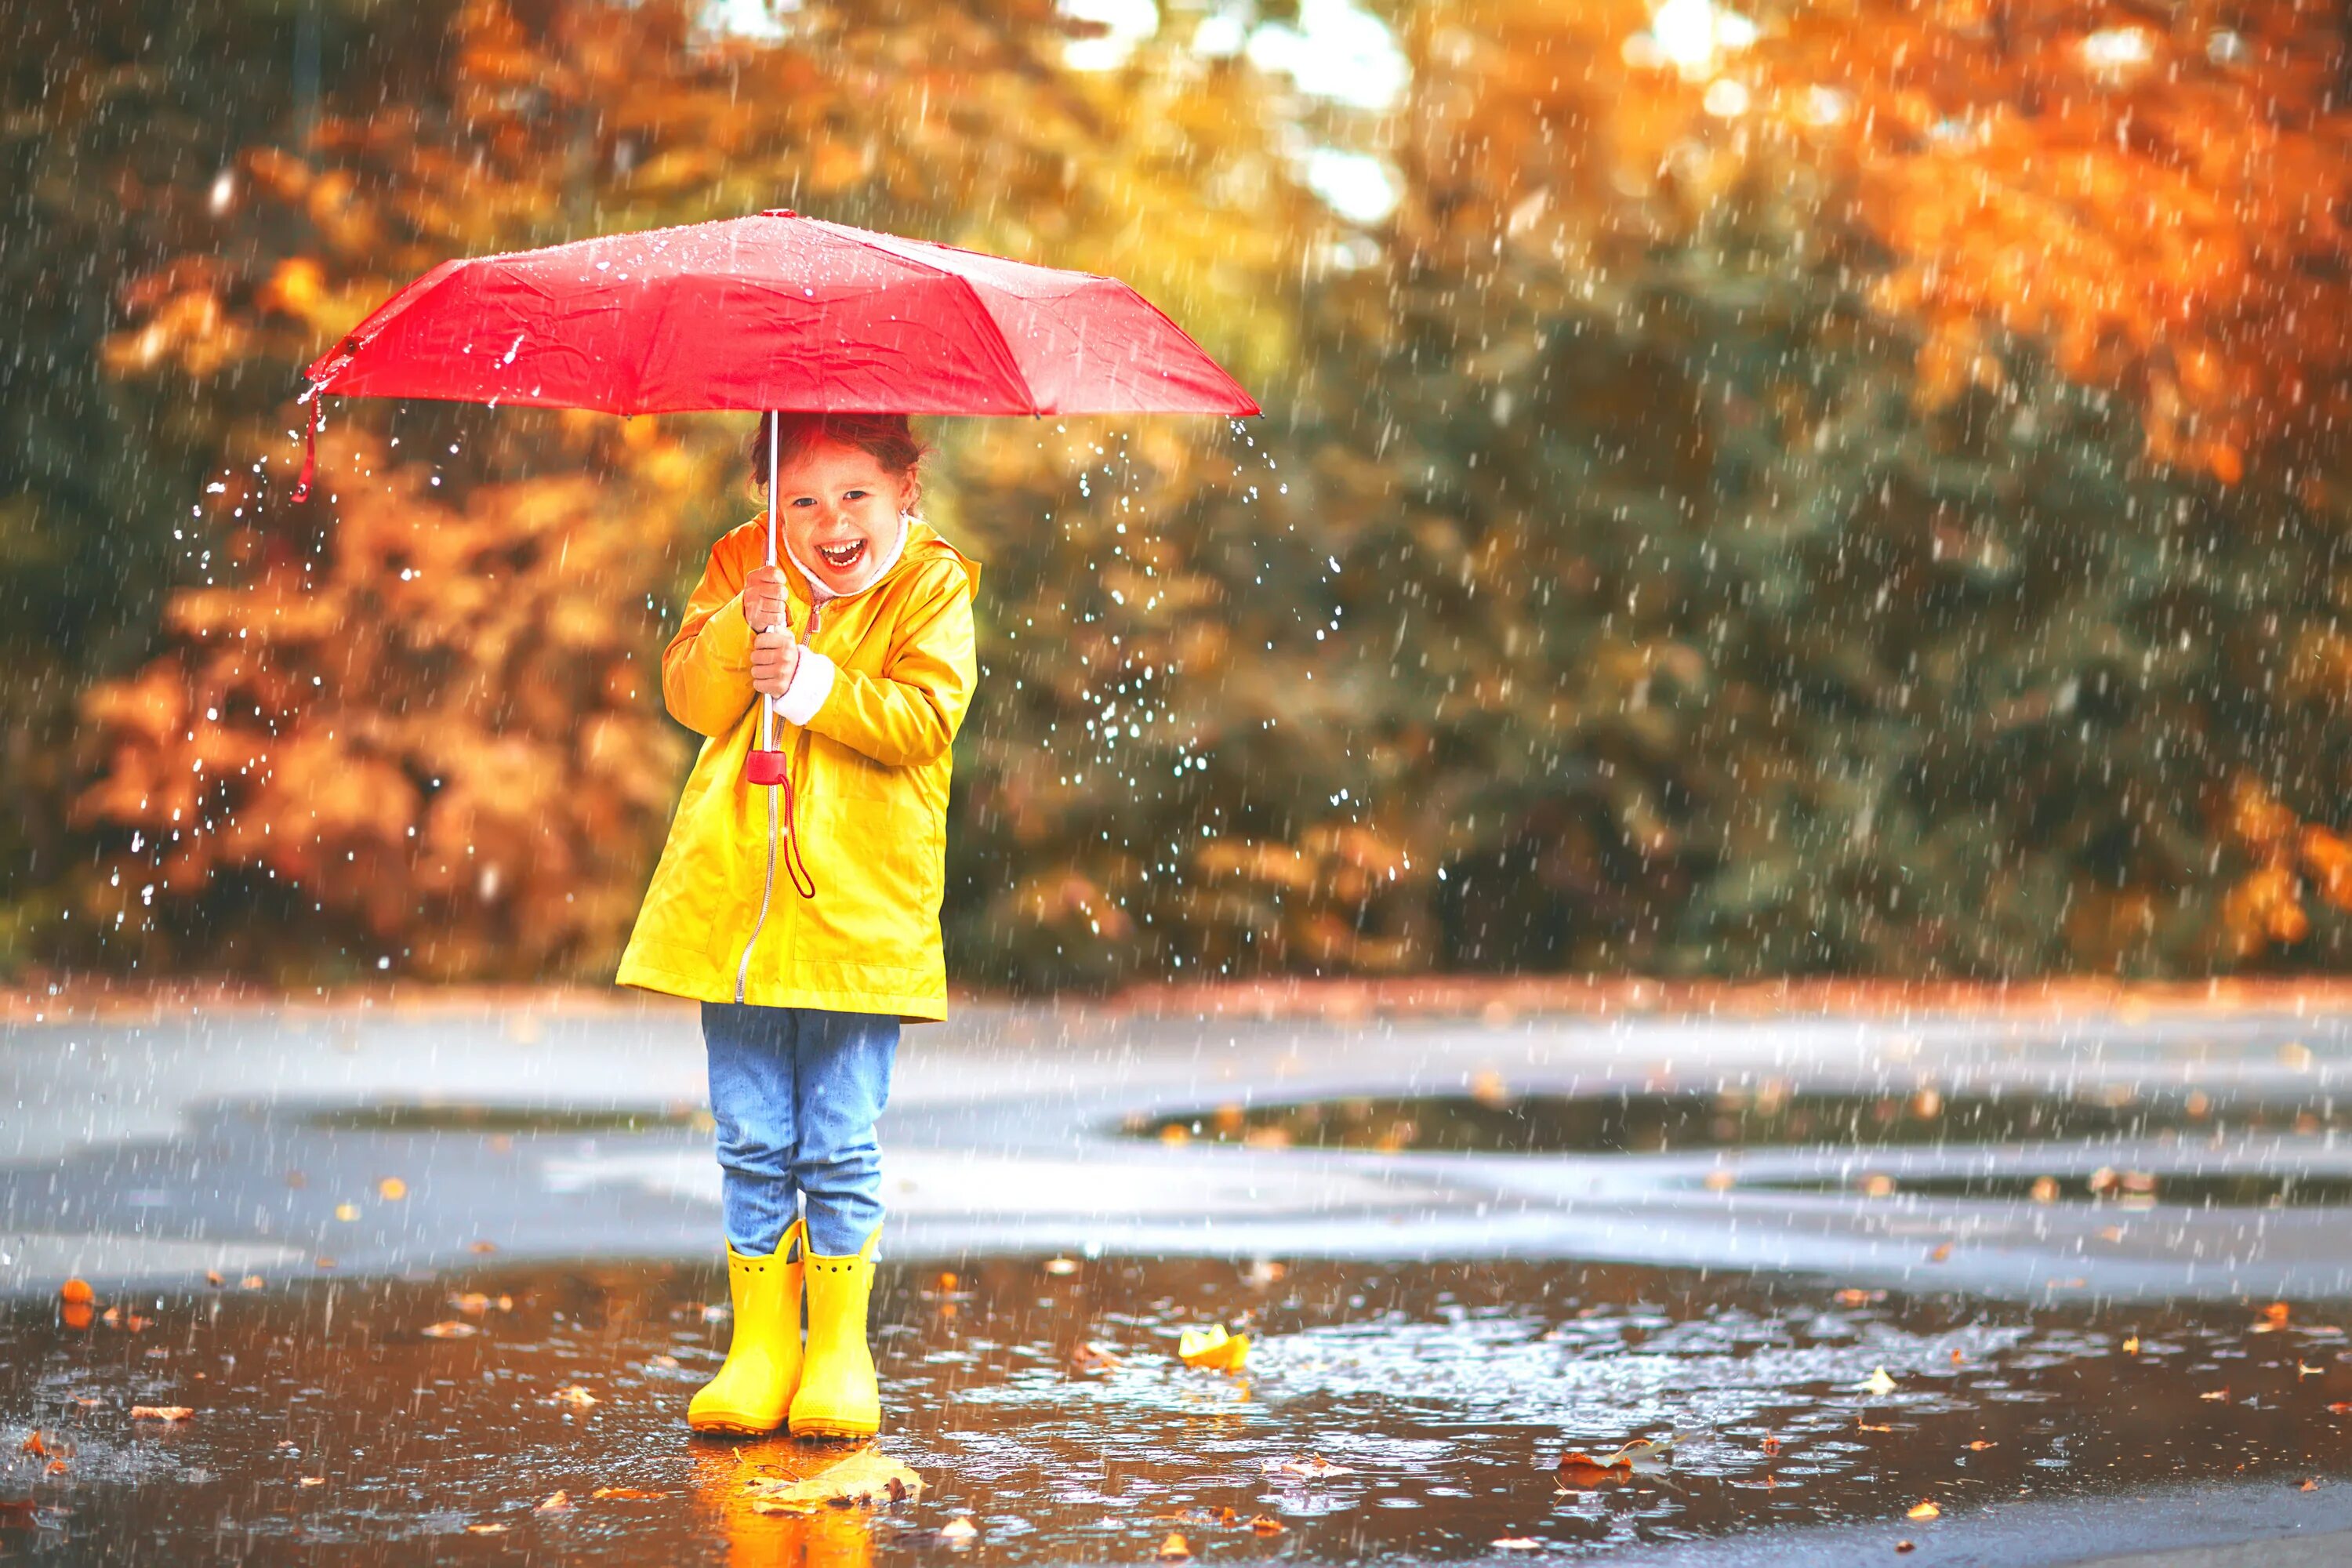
(775, 658)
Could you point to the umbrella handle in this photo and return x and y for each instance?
(765, 765)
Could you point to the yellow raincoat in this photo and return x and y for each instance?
(722, 921)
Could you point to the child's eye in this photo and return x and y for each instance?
(853, 495)
(804, 500)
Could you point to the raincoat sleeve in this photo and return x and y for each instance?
(910, 712)
(707, 668)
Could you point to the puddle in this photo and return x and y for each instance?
(1623, 1124)
(1442, 1393)
(491, 1120)
(2123, 1189)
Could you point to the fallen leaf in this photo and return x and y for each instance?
(212, 1277)
(574, 1395)
(452, 1329)
(483, 1247)
(2274, 1315)
(2131, 1345)
(1313, 1467)
(1878, 1384)
(1923, 1509)
(1175, 1546)
(1905, 1546)
(2341, 1407)
(1980, 1446)
(1092, 1357)
(486, 1529)
(864, 1477)
(54, 1467)
(1266, 1524)
(1941, 1253)
(946, 1281)
(1853, 1298)
(1061, 1266)
(1578, 1469)
(313, 1480)
(251, 1282)
(32, 1444)
(78, 1293)
(1771, 1445)
(959, 1528)
(2217, 1395)
(557, 1502)
(1213, 1349)
(1867, 1426)
(1516, 1543)
(2309, 1485)
(160, 1413)
(626, 1494)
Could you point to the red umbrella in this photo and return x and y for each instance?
(777, 312)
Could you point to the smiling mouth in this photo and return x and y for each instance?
(841, 557)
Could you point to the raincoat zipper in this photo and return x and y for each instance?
(767, 883)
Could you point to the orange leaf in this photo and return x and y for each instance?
(1923, 1509)
(161, 1413)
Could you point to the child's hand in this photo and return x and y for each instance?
(775, 657)
(764, 598)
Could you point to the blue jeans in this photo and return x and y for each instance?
(795, 1092)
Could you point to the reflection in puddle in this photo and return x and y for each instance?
(1497, 1122)
(472, 1116)
(1419, 1411)
(2124, 1189)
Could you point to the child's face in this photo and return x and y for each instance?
(840, 513)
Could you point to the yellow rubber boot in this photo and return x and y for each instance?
(753, 1391)
(839, 1396)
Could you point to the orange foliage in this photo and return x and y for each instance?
(2161, 205)
(440, 732)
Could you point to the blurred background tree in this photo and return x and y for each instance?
(1824, 489)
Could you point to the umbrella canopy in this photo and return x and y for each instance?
(776, 311)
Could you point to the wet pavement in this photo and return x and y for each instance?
(1043, 1399)
(2098, 1260)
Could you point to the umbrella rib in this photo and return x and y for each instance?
(996, 329)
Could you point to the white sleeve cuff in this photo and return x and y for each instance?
(812, 684)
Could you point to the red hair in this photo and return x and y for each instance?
(885, 438)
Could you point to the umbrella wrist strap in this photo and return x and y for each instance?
(796, 865)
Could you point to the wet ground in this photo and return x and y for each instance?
(2078, 1281)
(1043, 1399)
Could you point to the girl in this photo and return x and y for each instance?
(803, 913)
